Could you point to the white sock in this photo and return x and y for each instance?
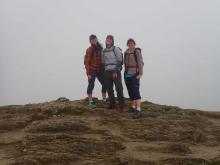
(139, 108)
(104, 99)
(90, 101)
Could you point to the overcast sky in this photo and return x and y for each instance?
(43, 42)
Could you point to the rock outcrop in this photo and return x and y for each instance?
(67, 132)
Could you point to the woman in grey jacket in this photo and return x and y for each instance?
(133, 72)
(112, 60)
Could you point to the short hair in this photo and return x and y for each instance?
(111, 37)
(131, 40)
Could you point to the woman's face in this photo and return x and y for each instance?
(131, 45)
(94, 41)
(108, 42)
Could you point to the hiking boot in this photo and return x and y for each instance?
(110, 107)
(136, 114)
(131, 110)
(92, 105)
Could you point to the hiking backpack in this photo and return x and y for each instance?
(135, 56)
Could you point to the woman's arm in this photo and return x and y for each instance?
(88, 61)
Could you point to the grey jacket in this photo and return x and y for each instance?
(112, 59)
(131, 66)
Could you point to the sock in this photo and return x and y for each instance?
(133, 106)
(91, 101)
(139, 108)
(104, 99)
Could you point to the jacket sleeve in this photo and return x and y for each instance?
(87, 61)
(140, 62)
(119, 55)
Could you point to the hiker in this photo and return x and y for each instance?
(93, 65)
(112, 60)
(133, 61)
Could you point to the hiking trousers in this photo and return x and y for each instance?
(133, 87)
(91, 83)
(109, 83)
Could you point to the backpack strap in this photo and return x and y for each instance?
(135, 54)
(135, 57)
(114, 52)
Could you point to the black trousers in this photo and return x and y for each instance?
(91, 83)
(109, 83)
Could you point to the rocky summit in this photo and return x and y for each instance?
(65, 132)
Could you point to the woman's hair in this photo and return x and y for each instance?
(99, 46)
(110, 37)
(92, 36)
(131, 40)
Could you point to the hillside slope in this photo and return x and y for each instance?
(67, 132)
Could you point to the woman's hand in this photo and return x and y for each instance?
(139, 76)
(89, 77)
(114, 75)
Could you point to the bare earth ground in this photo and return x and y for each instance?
(67, 132)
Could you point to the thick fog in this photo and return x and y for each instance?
(43, 43)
